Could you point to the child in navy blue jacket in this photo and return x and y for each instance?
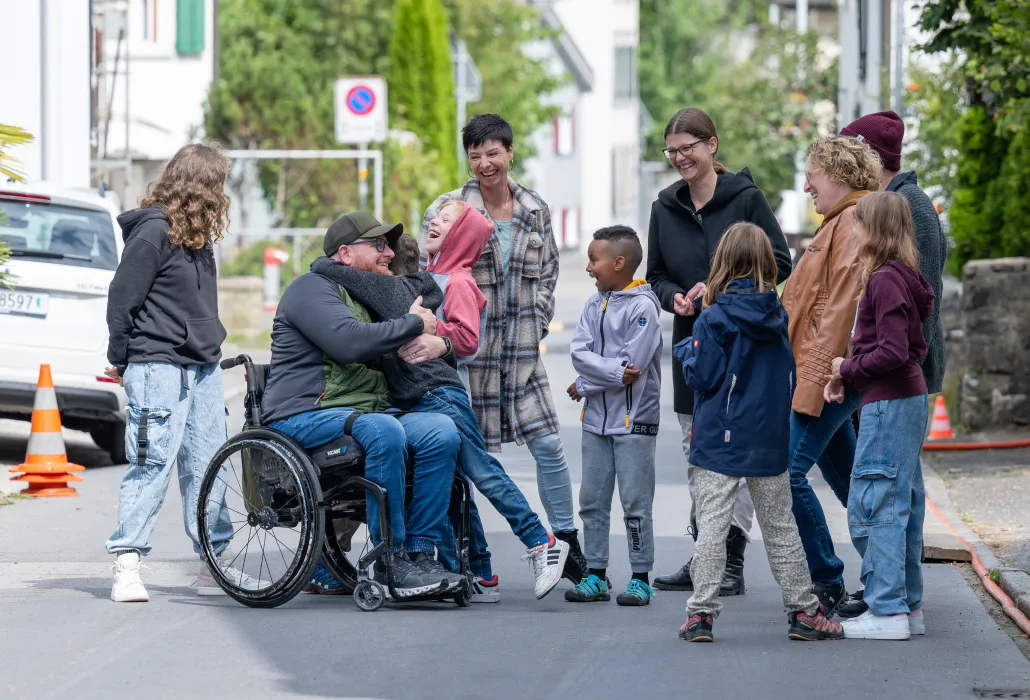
(741, 368)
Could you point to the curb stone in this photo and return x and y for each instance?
(1015, 582)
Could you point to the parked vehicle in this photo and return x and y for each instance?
(65, 246)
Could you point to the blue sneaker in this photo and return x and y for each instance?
(589, 590)
(637, 593)
(323, 582)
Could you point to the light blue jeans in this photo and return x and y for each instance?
(176, 415)
(887, 503)
(554, 481)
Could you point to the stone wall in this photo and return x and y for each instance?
(240, 308)
(994, 345)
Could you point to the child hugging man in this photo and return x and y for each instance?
(616, 353)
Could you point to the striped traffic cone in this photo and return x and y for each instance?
(46, 467)
(940, 428)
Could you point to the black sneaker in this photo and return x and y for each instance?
(697, 628)
(437, 572)
(831, 595)
(575, 568)
(408, 578)
(853, 606)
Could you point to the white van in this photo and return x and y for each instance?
(64, 248)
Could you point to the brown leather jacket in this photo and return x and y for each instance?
(821, 304)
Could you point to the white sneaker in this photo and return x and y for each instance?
(486, 590)
(548, 561)
(128, 587)
(206, 584)
(915, 622)
(870, 626)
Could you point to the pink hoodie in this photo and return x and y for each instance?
(462, 310)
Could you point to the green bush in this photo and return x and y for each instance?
(1014, 198)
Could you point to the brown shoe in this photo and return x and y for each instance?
(697, 628)
(813, 628)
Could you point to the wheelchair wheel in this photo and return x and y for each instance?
(338, 534)
(259, 501)
(464, 596)
(369, 596)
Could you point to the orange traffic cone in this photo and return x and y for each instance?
(46, 466)
(940, 428)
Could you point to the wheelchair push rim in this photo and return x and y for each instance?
(259, 520)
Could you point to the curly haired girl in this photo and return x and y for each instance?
(164, 346)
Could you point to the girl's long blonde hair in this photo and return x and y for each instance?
(888, 234)
(191, 190)
(743, 253)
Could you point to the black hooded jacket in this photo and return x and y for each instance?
(682, 241)
(162, 305)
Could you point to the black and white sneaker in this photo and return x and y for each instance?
(548, 560)
(408, 578)
(831, 596)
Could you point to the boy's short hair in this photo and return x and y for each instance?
(623, 241)
(405, 257)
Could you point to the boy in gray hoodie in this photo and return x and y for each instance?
(617, 354)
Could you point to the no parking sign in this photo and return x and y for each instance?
(361, 110)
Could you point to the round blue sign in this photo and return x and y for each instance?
(360, 100)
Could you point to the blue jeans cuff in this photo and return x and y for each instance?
(419, 544)
(534, 536)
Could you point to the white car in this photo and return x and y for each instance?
(64, 247)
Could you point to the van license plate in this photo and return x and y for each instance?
(24, 304)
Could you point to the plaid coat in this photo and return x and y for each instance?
(511, 396)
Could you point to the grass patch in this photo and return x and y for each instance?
(7, 499)
(994, 575)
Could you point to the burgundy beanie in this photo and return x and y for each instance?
(883, 132)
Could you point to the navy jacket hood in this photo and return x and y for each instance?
(758, 316)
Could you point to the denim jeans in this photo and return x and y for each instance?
(887, 504)
(486, 474)
(554, 481)
(830, 441)
(386, 440)
(176, 415)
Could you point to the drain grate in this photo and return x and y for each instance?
(980, 693)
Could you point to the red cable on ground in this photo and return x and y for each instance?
(998, 445)
(999, 595)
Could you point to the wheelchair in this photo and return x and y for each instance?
(289, 506)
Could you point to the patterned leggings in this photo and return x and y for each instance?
(716, 494)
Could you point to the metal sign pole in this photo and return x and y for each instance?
(363, 180)
(377, 157)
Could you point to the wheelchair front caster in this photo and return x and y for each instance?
(369, 596)
(464, 595)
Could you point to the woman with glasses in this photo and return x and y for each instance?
(687, 221)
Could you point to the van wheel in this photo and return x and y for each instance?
(111, 438)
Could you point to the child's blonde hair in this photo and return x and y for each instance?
(890, 234)
(453, 202)
(743, 253)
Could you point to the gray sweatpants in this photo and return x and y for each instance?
(743, 508)
(630, 460)
(716, 494)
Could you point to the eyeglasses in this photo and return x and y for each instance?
(380, 243)
(682, 151)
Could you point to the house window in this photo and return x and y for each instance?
(148, 20)
(625, 72)
(564, 134)
(189, 26)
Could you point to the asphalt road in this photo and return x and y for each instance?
(63, 638)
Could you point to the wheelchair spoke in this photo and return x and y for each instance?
(280, 546)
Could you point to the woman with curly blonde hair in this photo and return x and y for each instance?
(821, 299)
(164, 345)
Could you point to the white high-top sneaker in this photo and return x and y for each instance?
(128, 587)
(916, 624)
(870, 626)
(206, 584)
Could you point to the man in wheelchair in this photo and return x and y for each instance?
(325, 367)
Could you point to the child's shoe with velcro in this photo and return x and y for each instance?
(637, 593)
(589, 590)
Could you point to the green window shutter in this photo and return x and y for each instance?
(189, 26)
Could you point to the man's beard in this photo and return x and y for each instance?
(371, 267)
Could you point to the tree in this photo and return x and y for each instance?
(763, 98)
(9, 136)
(422, 79)
(936, 101)
(514, 84)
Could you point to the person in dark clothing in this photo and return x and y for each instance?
(884, 132)
(326, 365)
(164, 344)
(687, 222)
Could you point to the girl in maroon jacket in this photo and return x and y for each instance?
(886, 497)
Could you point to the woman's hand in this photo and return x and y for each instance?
(683, 304)
(835, 368)
(833, 392)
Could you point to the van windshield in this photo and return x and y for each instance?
(57, 233)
